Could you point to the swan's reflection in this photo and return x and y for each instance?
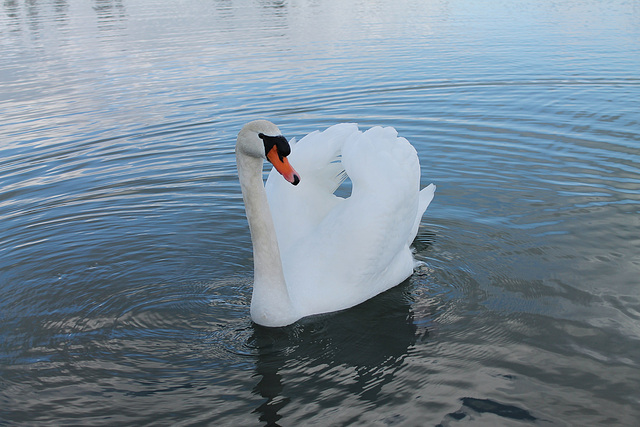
(355, 352)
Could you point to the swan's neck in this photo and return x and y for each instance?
(270, 302)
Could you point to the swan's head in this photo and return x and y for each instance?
(262, 139)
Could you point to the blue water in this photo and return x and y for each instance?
(125, 257)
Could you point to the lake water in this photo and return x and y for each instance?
(125, 256)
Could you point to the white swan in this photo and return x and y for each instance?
(315, 252)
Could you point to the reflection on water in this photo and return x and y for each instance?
(336, 354)
(109, 12)
(125, 257)
(38, 14)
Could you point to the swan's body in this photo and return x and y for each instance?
(315, 252)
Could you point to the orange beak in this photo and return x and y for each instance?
(282, 165)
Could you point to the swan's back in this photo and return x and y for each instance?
(338, 252)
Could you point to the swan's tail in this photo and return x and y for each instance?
(424, 199)
(426, 196)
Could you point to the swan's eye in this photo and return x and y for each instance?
(279, 141)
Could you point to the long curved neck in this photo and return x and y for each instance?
(270, 302)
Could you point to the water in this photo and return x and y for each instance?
(125, 258)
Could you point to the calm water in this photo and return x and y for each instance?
(125, 257)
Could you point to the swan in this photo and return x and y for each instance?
(313, 251)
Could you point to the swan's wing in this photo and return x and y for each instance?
(385, 173)
(297, 210)
(393, 168)
(361, 246)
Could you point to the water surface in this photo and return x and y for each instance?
(125, 257)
